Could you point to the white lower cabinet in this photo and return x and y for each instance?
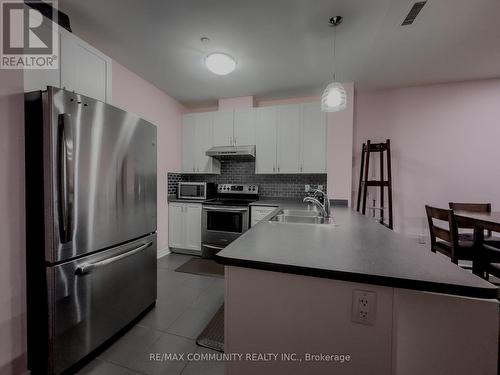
(176, 225)
(193, 227)
(257, 213)
(184, 226)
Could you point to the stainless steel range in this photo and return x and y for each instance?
(227, 217)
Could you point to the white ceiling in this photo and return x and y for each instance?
(283, 47)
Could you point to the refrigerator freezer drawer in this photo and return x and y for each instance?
(94, 297)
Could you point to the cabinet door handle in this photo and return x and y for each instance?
(274, 169)
(301, 168)
(278, 169)
(235, 141)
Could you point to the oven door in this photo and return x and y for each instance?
(223, 224)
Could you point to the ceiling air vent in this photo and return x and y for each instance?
(413, 13)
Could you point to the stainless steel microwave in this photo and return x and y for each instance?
(196, 190)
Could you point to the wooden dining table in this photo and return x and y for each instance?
(480, 222)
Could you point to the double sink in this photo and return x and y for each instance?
(301, 217)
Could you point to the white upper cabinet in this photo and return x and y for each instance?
(39, 79)
(288, 136)
(234, 128)
(188, 143)
(223, 128)
(313, 135)
(244, 126)
(84, 69)
(265, 140)
(197, 138)
(203, 141)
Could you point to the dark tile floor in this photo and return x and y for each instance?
(185, 305)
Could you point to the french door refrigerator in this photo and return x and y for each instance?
(90, 225)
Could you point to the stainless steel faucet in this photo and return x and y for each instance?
(324, 207)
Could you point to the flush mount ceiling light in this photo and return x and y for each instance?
(334, 97)
(220, 63)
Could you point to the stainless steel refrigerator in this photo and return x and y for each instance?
(90, 225)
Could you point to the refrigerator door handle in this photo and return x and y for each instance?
(85, 268)
(66, 176)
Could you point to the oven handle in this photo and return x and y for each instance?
(211, 208)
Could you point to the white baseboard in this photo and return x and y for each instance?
(163, 252)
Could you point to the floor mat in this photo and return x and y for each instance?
(212, 336)
(203, 267)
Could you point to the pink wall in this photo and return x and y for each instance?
(136, 95)
(340, 141)
(12, 224)
(445, 141)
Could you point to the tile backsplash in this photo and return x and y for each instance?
(235, 171)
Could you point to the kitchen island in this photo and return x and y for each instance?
(353, 289)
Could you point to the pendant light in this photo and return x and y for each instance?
(334, 97)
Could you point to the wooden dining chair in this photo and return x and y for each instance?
(444, 237)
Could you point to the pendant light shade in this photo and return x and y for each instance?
(334, 98)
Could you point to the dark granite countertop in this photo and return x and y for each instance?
(173, 198)
(278, 202)
(355, 249)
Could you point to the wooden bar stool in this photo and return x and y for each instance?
(444, 237)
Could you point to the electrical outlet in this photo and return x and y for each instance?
(320, 187)
(364, 306)
(307, 188)
(421, 239)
